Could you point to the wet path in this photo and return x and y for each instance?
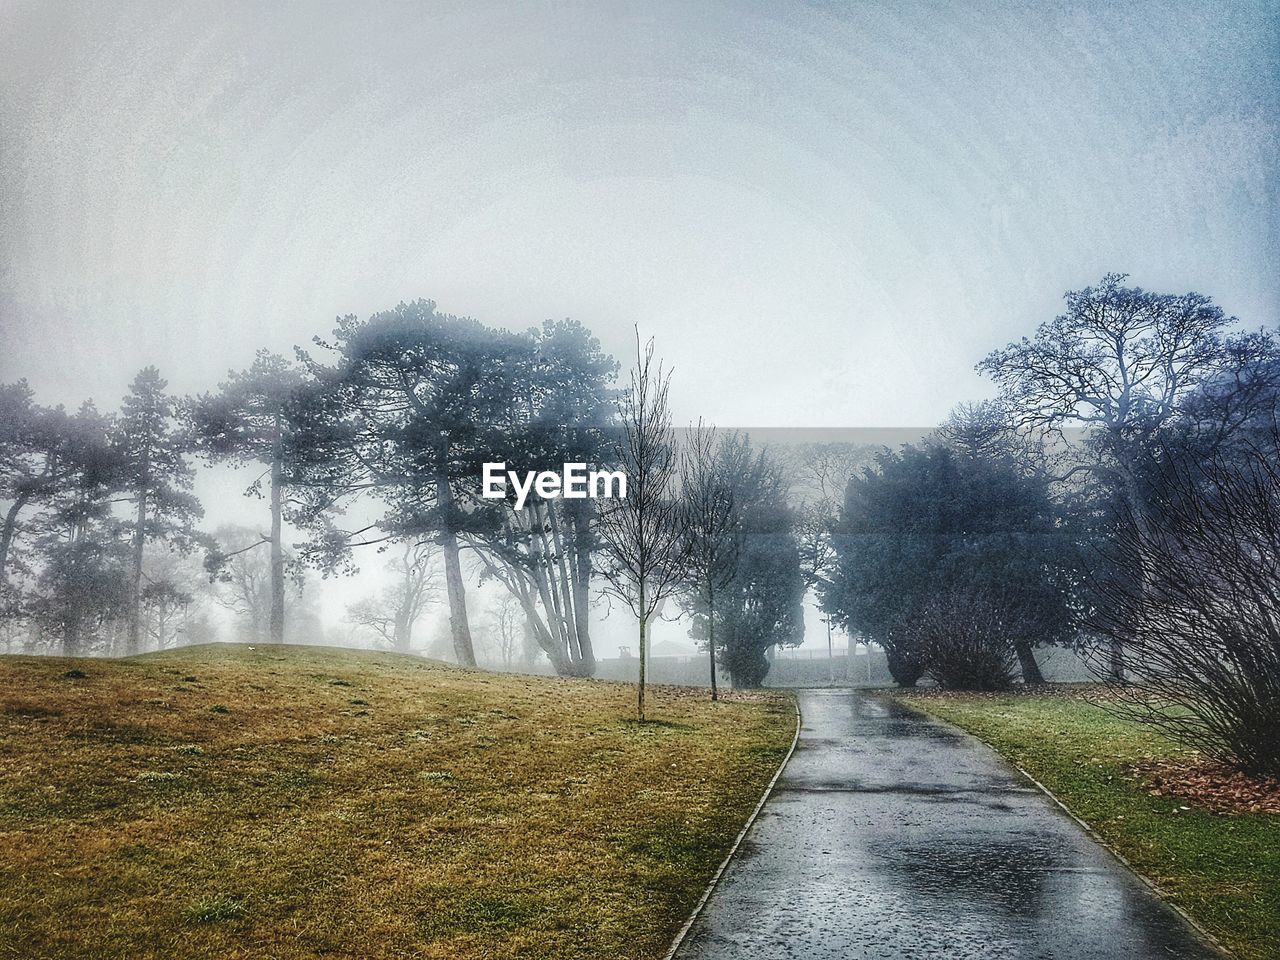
(890, 836)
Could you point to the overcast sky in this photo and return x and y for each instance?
(825, 214)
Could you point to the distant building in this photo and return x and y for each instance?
(668, 648)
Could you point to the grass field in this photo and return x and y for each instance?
(1224, 870)
(226, 801)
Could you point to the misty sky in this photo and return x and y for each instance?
(824, 213)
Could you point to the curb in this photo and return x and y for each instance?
(742, 834)
(1205, 936)
(1209, 939)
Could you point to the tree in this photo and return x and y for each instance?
(711, 528)
(931, 522)
(242, 577)
(165, 604)
(156, 478)
(83, 585)
(813, 522)
(250, 421)
(984, 437)
(819, 473)
(43, 453)
(413, 404)
(1233, 412)
(173, 584)
(563, 413)
(78, 569)
(507, 627)
(1116, 364)
(27, 460)
(1205, 620)
(642, 530)
(983, 431)
(394, 613)
(761, 603)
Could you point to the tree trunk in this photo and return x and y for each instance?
(402, 633)
(461, 629)
(582, 592)
(711, 639)
(561, 572)
(6, 536)
(1115, 661)
(541, 635)
(831, 656)
(135, 584)
(71, 635)
(644, 625)
(277, 548)
(1031, 674)
(581, 653)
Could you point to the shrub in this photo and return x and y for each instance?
(965, 640)
(1194, 603)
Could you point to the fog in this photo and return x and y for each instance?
(824, 215)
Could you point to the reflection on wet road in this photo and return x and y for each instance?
(891, 836)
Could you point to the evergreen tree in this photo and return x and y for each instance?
(250, 420)
(760, 605)
(156, 479)
(413, 404)
(932, 522)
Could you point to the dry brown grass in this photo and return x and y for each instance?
(292, 802)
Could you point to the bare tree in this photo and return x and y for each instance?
(711, 529)
(507, 627)
(1204, 623)
(394, 613)
(164, 610)
(243, 577)
(172, 584)
(642, 531)
(820, 475)
(820, 472)
(1116, 364)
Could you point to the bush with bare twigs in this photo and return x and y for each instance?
(1194, 599)
(966, 640)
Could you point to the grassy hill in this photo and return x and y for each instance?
(282, 802)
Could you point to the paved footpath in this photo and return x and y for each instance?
(892, 836)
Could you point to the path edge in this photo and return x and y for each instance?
(742, 835)
(1190, 921)
(1208, 938)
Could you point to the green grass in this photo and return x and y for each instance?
(1222, 869)
(290, 802)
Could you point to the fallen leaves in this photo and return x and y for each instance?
(1209, 784)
